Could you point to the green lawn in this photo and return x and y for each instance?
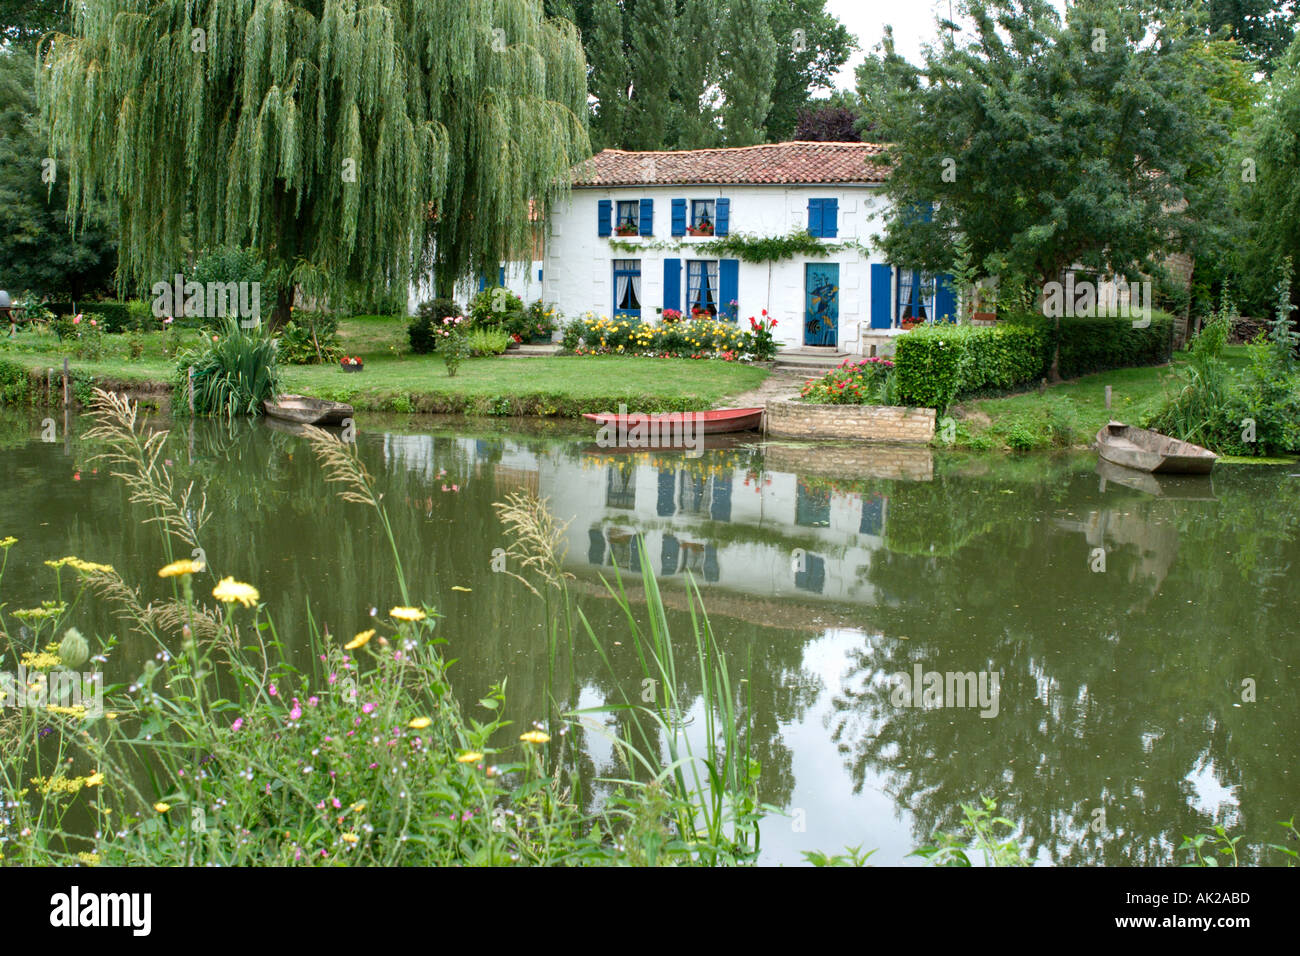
(1079, 404)
(396, 379)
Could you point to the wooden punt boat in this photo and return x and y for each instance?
(1145, 450)
(715, 422)
(301, 410)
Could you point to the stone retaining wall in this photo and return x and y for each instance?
(851, 462)
(869, 423)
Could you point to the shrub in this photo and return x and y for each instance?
(114, 316)
(573, 334)
(15, 384)
(233, 374)
(487, 341)
(928, 364)
(498, 308)
(310, 338)
(454, 342)
(1096, 344)
(861, 382)
(429, 315)
(541, 322)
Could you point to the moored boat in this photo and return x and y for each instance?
(302, 410)
(1145, 450)
(715, 422)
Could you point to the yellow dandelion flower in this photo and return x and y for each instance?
(90, 859)
(7, 543)
(162, 807)
(535, 737)
(350, 838)
(419, 723)
(358, 806)
(407, 614)
(96, 779)
(177, 568)
(472, 756)
(229, 591)
(361, 640)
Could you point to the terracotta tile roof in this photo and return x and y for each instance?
(772, 163)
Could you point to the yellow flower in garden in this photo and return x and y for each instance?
(472, 756)
(419, 723)
(229, 591)
(96, 779)
(162, 807)
(40, 660)
(535, 737)
(350, 838)
(360, 640)
(77, 710)
(111, 715)
(177, 568)
(7, 543)
(407, 614)
(90, 859)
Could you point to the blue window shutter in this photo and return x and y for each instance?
(814, 217)
(723, 217)
(728, 287)
(604, 213)
(830, 218)
(482, 283)
(501, 276)
(881, 276)
(679, 217)
(945, 299)
(673, 284)
(539, 275)
(646, 224)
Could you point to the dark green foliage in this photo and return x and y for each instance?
(233, 375)
(749, 248)
(37, 250)
(428, 316)
(1090, 345)
(115, 316)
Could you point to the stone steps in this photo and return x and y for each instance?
(809, 360)
(533, 351)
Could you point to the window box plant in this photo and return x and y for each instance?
(627, 229)
(705, 228)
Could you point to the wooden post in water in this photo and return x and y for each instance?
(1107, 398)
(65, 381)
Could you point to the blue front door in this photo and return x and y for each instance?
(821, 303)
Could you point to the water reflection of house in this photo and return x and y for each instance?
(774, 535)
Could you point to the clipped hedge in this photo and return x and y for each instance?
(935, 364)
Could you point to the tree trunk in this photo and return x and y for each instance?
(281, 313)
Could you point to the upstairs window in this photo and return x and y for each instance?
(628, 221)
(823, 216)
(703, 217)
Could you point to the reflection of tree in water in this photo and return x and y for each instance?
(1113, 693)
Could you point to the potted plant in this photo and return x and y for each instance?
(352, 363)
(626, 229)
(702, 228)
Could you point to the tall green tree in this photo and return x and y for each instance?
(748, 69)
(1049, 144)
(696, 118)
(609, 83)
(38, 251)
(1270, 181)
(652, 68)
(23, 22)
(363, 142)
(811, 46)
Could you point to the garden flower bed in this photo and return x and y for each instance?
(693, 338)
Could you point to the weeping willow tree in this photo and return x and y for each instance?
(361, 140)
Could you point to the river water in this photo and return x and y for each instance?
(1113, 661)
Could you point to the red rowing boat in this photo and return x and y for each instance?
(715, 422)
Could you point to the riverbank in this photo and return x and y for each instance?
(1068, 414)
(395, 379)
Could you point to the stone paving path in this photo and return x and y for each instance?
(782, 383)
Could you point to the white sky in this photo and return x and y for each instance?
(912, 20)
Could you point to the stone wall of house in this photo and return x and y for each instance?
(870, 423)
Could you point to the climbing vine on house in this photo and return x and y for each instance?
(747, 248)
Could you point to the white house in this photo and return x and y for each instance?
(631, 239)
